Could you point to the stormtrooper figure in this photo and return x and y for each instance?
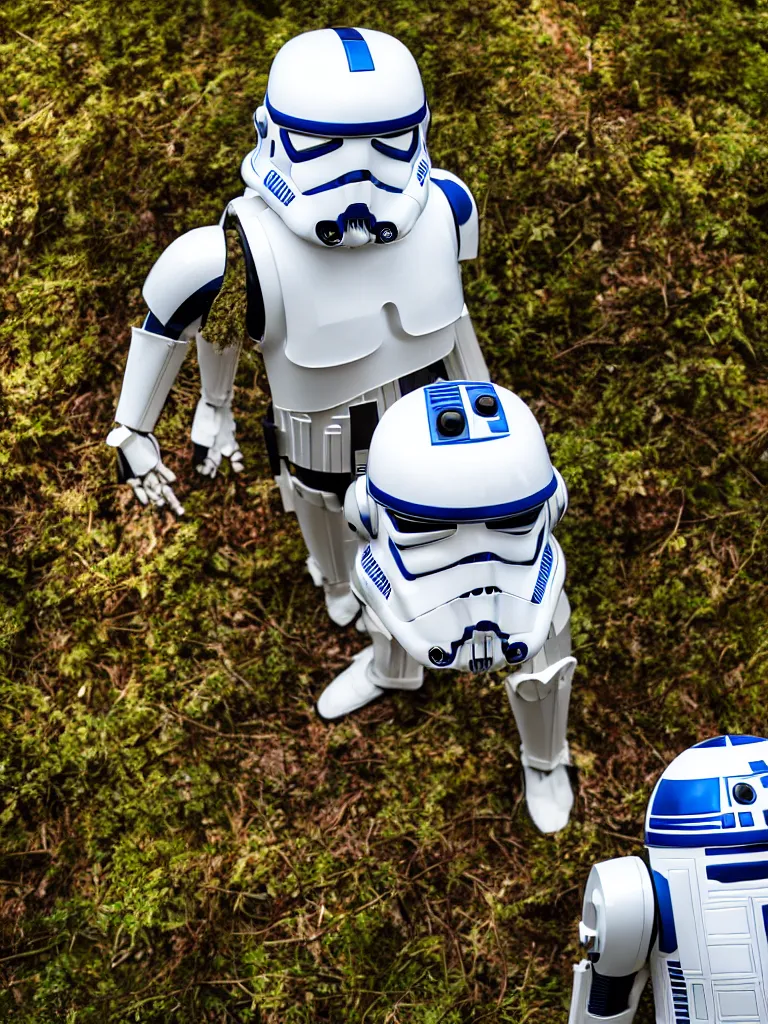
(352, 242)
(697, 910)
(457, 568)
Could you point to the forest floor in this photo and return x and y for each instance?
(181, 839)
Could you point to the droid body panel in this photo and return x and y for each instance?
(457, 566)
(706, 839)
(352, 243)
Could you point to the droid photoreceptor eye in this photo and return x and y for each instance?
(451, 422)
(486, 405)
(743, 793)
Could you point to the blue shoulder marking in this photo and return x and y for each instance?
(458, 198)
(197, 305)
(358, 55)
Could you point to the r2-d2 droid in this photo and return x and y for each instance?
(457, 568)
(698, 911)
(352, 243)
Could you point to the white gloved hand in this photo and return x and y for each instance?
(213, 435)
(141, 466)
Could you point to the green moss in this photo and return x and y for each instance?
(181, 838)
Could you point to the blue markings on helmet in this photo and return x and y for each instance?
(441, 398)
(345, 129)
(718, 741)
(520, 650)
(739, 741)
(758, 766)
(358, 55)
(376, 573)
(458, 198)
(406, 155)
(687, 796)
(300, 156)
(350, 178)
(422, 171)
(279, 188)
(667, 932)
(473, 514)
(497, 424)
(541, 583)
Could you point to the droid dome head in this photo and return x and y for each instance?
(341, 154)
(713, 794)
(456, 511)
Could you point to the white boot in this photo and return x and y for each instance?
(341, 603)
(351, 690)
(343, 607)
(379, 669)
(539, 701)
(549, 797)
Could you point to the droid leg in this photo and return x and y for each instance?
(539, 696)
(331, 546)
(383, 666)
(617, 926)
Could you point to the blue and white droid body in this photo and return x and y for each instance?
(352, 243)
(457, 567)
(698, 913)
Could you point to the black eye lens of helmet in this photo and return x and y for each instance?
(412, 524)
(743, 793)
(517, 522)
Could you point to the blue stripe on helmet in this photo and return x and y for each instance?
(358, 55)
(473, 514)
(350, 178)
(330, 129)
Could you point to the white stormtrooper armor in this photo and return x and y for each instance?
(352, 244)
(457, 567)
(698, 912)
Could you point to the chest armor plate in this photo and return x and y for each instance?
(342, 321)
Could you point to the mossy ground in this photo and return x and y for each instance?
(182, 840)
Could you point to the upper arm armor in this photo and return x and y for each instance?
(182, 285)
(463, 209)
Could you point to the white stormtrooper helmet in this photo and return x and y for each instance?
(342, 154)
(457, 560)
